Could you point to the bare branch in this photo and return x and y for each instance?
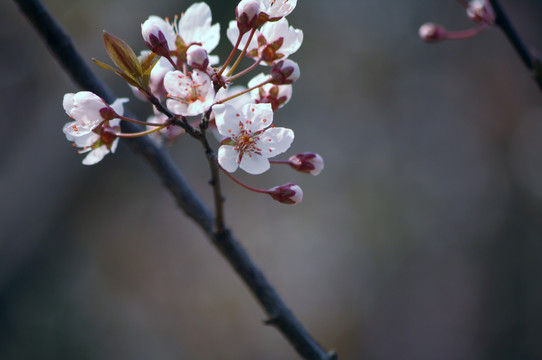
(506, 26)
(279, 315)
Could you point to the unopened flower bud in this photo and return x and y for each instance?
(481, 11)
(285, 72)
(156, 32)
(431, 32)
(308, 162)
(197, 57)
(248, 16)
(287, 194)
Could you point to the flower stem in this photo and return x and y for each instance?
(464, 34)
(138, 121)
(284, 162)
(247, 70)
(142, 133)
(237, 181)
(242, 53)
(232, 54)
(243, 92)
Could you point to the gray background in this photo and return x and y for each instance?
(422, 238)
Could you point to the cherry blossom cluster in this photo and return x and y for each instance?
(479, 11)
(191, 93)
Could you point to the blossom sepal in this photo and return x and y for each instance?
(289, 193)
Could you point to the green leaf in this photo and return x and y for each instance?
(123, 56)
(147, 64)
(148, 61)
(126, 77)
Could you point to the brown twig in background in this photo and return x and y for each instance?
(506, 26)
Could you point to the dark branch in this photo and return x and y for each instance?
(506, 26)
(62, 48)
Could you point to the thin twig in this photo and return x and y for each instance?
(506, 26)
(280, 316)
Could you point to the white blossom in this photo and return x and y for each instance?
(249, 140)
(189, 95)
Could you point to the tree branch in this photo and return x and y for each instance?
(281, 317)
(506, 26)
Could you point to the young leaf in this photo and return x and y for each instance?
(123, 56)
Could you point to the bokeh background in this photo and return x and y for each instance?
(422, 238)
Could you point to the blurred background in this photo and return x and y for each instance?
(421, 239)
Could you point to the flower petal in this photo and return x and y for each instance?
(254, 164)
(95, 155)
(275, 141)
(195, 26)
(233, 33)
(226, 119)
(256, 117)
(118, 107)
(227, 158)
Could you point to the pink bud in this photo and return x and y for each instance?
(249, 16)
(197, 58)
(285, 72)
(481, 11)
(153, 34)
(432, 33)
(287, 194)
(308, 162)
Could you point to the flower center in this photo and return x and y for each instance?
(245, 143)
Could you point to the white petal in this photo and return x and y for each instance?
(279, 8)
(95, 155)
(177, 83)
(257, 80)
(177, 107)
(196, 108)
(210, 38)
(256, 117)
(214, 59)
(85, 108)
(292, 38)
(73, 130)
(154, 24)
(233, 34)
(195, 26)
(254, 164)
(236, 102)
(67, 102)
(118, 107)
(86, 140)
(114, 145)
(275, 141)
(227, 158)
(226, 119)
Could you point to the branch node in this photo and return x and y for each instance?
(271, 321)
